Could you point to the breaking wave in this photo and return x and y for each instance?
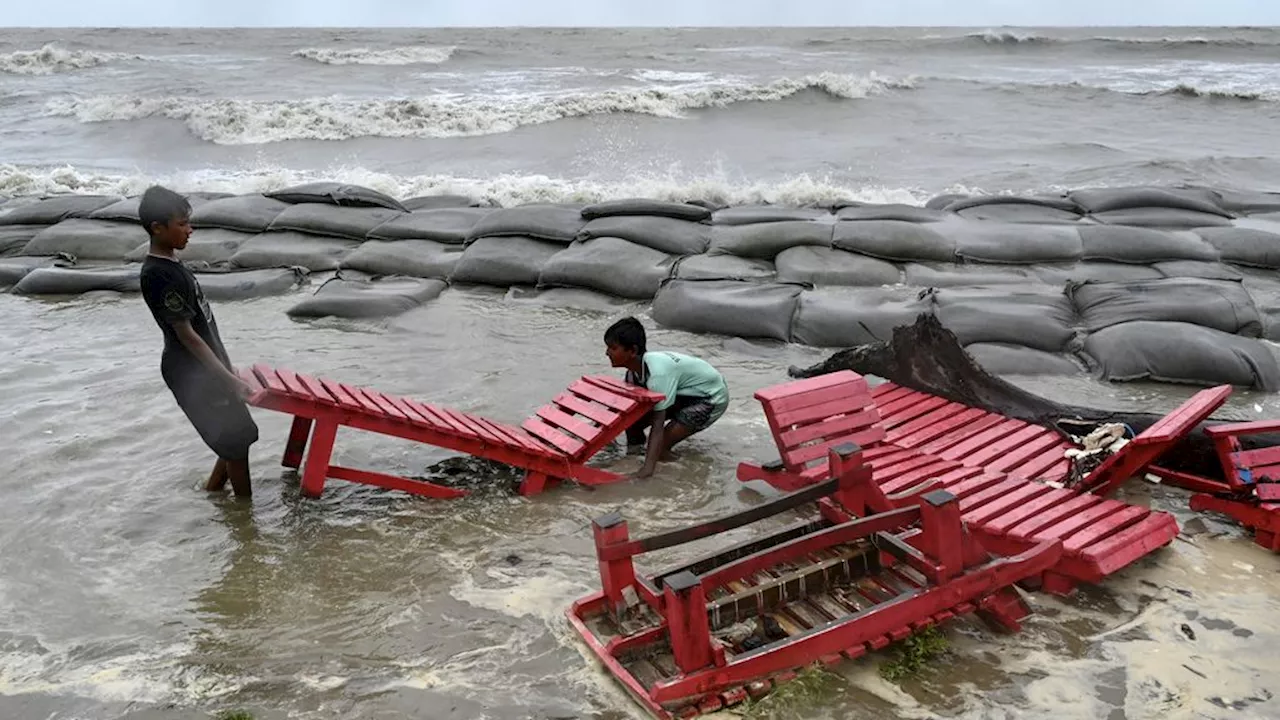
(248, 122)
(413, 55)
(51, 59)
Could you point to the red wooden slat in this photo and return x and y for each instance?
(811, 413)
(465, 421)
(1185, 416)
(442, 419)
(1083, 519)
(808, 453)
(1109, 525)
(410, 412)
(924, 435)
(1040, 465)
(981, 513)
(962, 432)
(891, 393)
(1042, 503)
(929, 419)
(964, 485)
(1250, 459)
(517, 437)
(363, 401)
(850, 424)
(600, 413)
(344, 399)
(317, 389)
(906, 464)
(980, 440)
(851, 393)
(557, 418)
(387, 406)
(990, 493)
(1051, 516)
(608, 398)
(1241, 428)
(820, 382)
(295, 387)
(636, 393)
(914, 477)
(905, 410)
(1000, 447)
(267, 375)
(537, 427)
(1012, 460)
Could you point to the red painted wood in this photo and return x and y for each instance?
(1179, 422)
(911, 478)
(540, 429)
(820, 382)
(1123, 548)
(386, 406)
(1012, 461)
(1042, 465)
(907, 409)
(921, 437)
(855, 422)
(362, 401)
(1252, 427)
(995, 450)
(982, 423)
(1042, 503)
(1256, 459)
(568, 423)
(978, 441)
(606, 397)
(929, 419)
(1104, 527)
(832, 406)
(439, 418)
(990, 493)
(808, 453)
(1268, 492)
(392, 482)
(973, 480)
(294, 386)
(317, 389)
(602, 414)
(984, 512)
(345, 401)
(1052, 515)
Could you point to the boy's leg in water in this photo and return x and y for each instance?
(238, 473)
(636, 433)
(218, 478)
(675, 432)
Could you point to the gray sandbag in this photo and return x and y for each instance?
(214, 246)
(848, 317)
(246, 213)
(568, 298)
(1102, 200)
(724, 267)
(77, 281)
(435, 202)
(1010, 359)
(1264, 288)
(249, 284)
(1196, 269)
(938, 202)
(727, 307)
(1247, 201)
(334, 193)
(1181, 353)
(13, 238)
(1019, 213)
(643, 206)
(1101, 271)
(610, 265)
(1168, 218)
(332, 220)
(822, 266)
(668, 235)
(941, 275)
(1219, 304)
(413, 258)
(51, 210)
(287, 249)
(1142, 245)
(1244, 245)
(543, 221)
(88, 239)
(763, 241)
(446, 225)
(354, 296)
(750, 214)
(1055, 202)
(991, 242)
(14, 269)
(1036, 316)
(894, 240)
(504, 261)
(893, 211)
(127, 210)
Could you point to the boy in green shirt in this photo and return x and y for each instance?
(695, 393)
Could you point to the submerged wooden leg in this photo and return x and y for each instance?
(318, 455)
(686, 611)
(533, 483)
(617, 577)
(297, 442)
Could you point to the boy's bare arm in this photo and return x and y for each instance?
(198, 347)
(656, 432)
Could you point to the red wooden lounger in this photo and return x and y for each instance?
(1251, 493)
(553, 444)
(996, 466)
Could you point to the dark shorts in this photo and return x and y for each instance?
(221, 418)
(697, 414)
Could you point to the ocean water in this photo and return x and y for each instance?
(125, 592)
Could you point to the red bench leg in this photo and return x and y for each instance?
(297, 442)
(318, 455)
(533, 483)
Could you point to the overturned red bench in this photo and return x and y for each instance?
(736, 623)
(1003, 471)
(553, 444)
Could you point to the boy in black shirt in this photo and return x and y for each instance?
(194, 364)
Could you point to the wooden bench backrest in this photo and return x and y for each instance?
(808, 417)
(589, 414)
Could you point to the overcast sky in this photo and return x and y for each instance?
(428, 13)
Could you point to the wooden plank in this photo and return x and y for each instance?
(344, 399)
(1013, 459)
(364, 403)
(980, 440)
(388, 407)
(981, 513)
(1053, 515)
(1109, 525)
(411, 414)
(540, 429)
(993, 450)
(1067, 527)
(441, 419)
(909, 479)
(930, 419)
(554, 417)
(922, 436)
(900, 412)
(635, 394)
(295, 387)
(317, 389)
(888, 392)
(467, 421)
(1004, 487)
(600, 413)
(267, 375)
(830, 407)
(854, 422)
(1028, 509)
(976, 481)
(519, 438)
(808, 453)
(1041, 465)
(1184, 417)
(819, 382)
(1251, 459)
(1251, 427)
(608, 398)
(959, 434)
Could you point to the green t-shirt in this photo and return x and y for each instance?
(673, 373)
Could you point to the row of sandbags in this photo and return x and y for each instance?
(1175, 330)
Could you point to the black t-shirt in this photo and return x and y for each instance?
(172, 293)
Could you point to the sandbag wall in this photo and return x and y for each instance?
(1174, 284)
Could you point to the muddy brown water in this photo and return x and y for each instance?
(127, 592)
